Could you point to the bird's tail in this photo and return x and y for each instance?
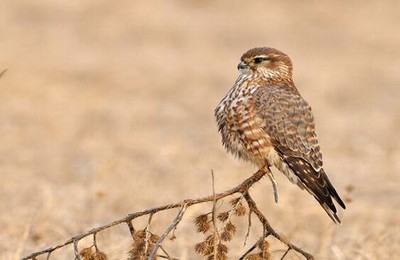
(318, 184)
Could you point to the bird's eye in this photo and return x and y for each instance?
(258, 60)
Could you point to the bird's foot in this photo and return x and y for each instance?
(274, 184)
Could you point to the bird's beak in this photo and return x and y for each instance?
(242, 65)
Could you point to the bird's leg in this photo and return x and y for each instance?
(273, 181)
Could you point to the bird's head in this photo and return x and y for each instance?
(268, 63)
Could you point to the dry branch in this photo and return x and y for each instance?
(270, 230)
(243, 189)
(169, 229)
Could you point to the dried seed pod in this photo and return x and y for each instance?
(98, 255)
(218, 257)
(221, 255)
(240, 209)
(139, 235)
(141, 248)
(204, 248)
(256, 256)
(154, 238)
(264, 246)
(222, 249)
(210, 240)
(228, 232)
(202, 223)
(137, 251)
(226, 236)
(223, 216)
(230, 228)
(234, 201)
(86, 254)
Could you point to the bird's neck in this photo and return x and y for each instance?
(267, 77)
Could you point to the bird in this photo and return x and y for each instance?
(264, 119)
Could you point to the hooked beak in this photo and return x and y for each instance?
(242, 65)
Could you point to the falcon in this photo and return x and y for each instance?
(263, 119)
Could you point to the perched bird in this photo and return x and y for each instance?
(264, 119)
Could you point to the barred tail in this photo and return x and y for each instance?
(318, 184)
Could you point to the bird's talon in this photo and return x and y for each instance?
(274, 185)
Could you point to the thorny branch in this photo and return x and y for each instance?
(242, 188)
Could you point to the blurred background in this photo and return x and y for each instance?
(106, 108)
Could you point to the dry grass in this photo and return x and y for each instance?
(107, 108)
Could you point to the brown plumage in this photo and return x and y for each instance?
(264, 119)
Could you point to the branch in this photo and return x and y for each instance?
(214, 219)
(242, 188)
(269, 229)
(177, 219)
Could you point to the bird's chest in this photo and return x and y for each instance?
(241, 127)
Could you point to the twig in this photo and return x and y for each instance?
(214, 218)
(286, 252)
(95, 241)
(176, 221)
(148, 234)
(269, 228)
(167, 256)
(241, 188)
(248, 228)
(131, 228)
(76, 250)
(252, 248)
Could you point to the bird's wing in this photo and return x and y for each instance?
(288, 120)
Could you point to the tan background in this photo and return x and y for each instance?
(107, 108)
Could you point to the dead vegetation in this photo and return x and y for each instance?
(217, 227)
